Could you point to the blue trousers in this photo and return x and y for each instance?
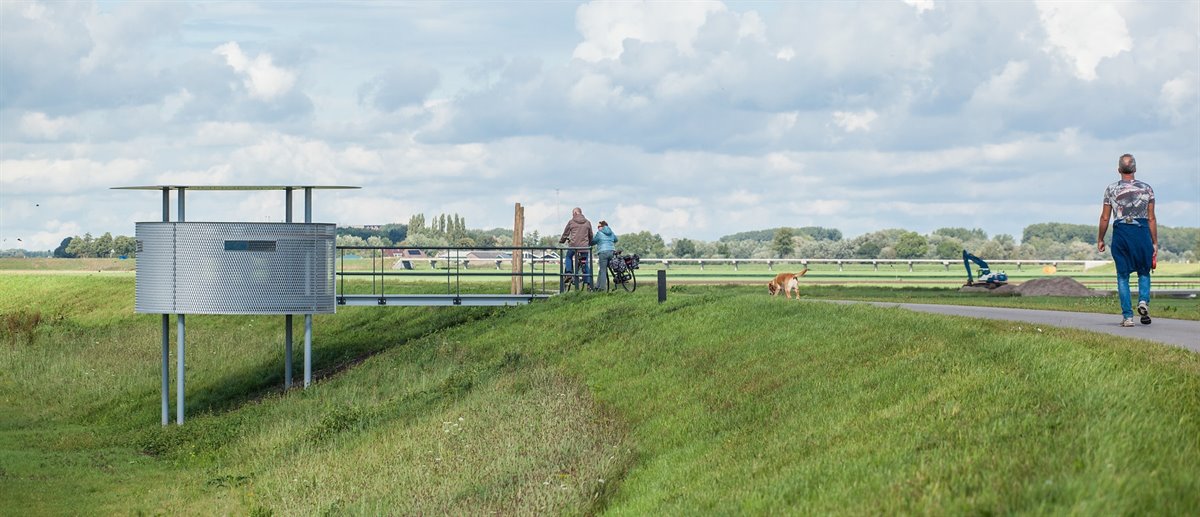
(602, 263)
(1132, 250)
(569, 265)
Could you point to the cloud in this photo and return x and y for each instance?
(263, 80)
(921, 5)
(65, 176)
(402, 85)
(68, 57)
(1083, 34)
(606, 25)
(1179, 98)
(851, 122)
(690, 120)
(38, 125)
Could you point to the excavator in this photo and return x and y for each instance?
(986, 277)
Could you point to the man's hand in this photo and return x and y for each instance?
(1100, 246)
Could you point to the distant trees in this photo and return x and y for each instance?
(642, 243)
(911, 245)
(683, 248)
(768, 235)
(1060, 232)
(61, 250)
(782, 244)
(1040, 241)
(962, 234)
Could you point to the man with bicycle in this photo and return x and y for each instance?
(578, 234)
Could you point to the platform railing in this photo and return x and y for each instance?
(540, 276)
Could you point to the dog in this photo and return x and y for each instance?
(786, 282)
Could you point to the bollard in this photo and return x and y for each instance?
(662, 285)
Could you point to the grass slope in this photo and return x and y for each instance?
(720, 400)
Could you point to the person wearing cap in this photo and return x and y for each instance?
(605, 241)
(578, 236)
(1130, 204)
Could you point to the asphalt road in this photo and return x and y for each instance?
(1181, 333)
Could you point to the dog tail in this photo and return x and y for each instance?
(802, 272)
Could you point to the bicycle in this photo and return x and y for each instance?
(577, 277)
(621, 271)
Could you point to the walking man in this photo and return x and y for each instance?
(1130, 204)
(578, 234)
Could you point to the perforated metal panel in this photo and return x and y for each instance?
(235, 268)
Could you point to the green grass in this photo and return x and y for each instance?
(73, 265)
(722, 400)
(1162, 306)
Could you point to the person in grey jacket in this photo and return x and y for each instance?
(578, 234)
(604, 239)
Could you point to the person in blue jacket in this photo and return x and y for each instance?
(604, 240)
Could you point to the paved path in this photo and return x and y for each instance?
(1181, 333)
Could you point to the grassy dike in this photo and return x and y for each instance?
(722, 400)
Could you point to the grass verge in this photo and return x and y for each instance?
(718, 401)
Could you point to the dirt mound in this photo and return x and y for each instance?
(1056, 286)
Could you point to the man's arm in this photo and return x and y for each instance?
(566, 233)
(1105, 212)
(1153, 224)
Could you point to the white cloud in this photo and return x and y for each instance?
(49, 235)
(58, 176)
(38, 125)
(785, 54)
(921, 5)
(225, 134)
(605, 25)
(668, 221)
(1179, 98)
(1084, 33)
(851, 121)
(1001, 87)
(263, 80)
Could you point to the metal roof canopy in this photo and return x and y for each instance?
(237, 187)
(180, 318)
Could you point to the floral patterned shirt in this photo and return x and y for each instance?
(1129, 199)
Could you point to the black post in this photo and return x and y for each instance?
(662, 285)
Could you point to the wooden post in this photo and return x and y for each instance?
(518, 255)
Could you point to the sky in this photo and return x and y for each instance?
(688, 119)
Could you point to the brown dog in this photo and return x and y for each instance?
(786, 282)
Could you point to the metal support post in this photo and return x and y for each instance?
(288, 204)
(166, 369)
(287, 351)
(307, 350)
(307, 317)
(166, 331)
(179, 369)
(287, 333)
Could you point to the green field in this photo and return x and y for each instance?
(722, 400)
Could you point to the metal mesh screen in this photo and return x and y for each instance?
(188, 268)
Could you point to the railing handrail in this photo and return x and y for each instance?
(867, 261)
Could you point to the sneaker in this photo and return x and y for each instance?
(1127, 322)
(1144, 311)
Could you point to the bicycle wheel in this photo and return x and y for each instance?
(631, 284)
(614, 278)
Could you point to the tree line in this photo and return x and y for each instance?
(1059, 241)
(104, 246)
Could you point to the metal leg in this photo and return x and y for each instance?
(166, 367)
(287, 360)
(307, 350)
(182, 328)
